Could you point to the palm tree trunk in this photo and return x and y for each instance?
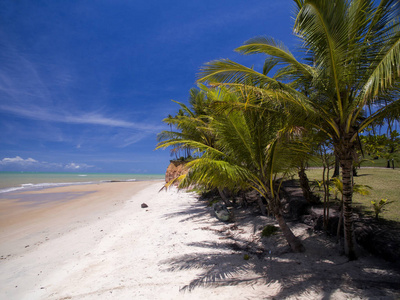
(261, 205)
(339, 223)
(326, 196)
(223, 197)
(346, 162)
(293, 241)
(337, 167)
(227, 203)
(305, 186)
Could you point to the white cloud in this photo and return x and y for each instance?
(125, 139)
(74, 166)
(18, 160)
(30, 163)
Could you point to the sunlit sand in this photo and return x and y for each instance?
(99, 243)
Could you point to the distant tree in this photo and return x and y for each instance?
(383, 146)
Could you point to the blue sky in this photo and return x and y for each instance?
(84, 85)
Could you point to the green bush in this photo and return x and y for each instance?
(269, 230)
(379, 206)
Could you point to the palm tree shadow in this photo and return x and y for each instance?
(195, 213)
(239, 257)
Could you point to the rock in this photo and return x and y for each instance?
(297, 208)
(307, 219)
(294, 203)
(333, 222)
(378, 239)
(175, 169)
(221, 212)
(144, 205)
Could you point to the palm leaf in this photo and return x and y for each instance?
(227, 71)
(314, 23)
(280, 53)
(385, 68)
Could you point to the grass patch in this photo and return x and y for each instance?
(385, 184)
(269, 230)
(368, 161)
(376, 162)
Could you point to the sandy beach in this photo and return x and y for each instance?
(97, 242)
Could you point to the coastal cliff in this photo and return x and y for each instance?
(176, 168)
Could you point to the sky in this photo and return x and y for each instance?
(84, 85)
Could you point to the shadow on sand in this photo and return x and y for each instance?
(239, 256)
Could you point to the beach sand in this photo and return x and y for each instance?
(97, 242)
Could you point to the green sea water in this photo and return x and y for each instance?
(19, 181)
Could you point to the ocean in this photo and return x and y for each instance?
(26, 181)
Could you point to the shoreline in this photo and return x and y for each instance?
(30, 181)
(103, 245)
(30, 187)
(29, 217)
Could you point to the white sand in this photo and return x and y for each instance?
(174, 249)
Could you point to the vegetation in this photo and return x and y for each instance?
(378, 206)
(248, 151)
(383, 182)
(269, 230)
(246, 127)
(386, 147)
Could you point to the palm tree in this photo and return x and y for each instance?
(249, 152)
(351, 60)
(190, 123)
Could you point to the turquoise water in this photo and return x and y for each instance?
(17, 181)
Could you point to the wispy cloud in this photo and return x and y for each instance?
(20, 79)
(218, 18)
(75, 166)
(41, 91)
(18, 161)
(91, 118)
(27, 163)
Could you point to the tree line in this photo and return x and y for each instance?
(249, 129)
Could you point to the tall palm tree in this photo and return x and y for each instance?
(249, 152)
(351, 60)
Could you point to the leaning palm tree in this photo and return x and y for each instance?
(351, 61)
(249, 152)
(192, 130)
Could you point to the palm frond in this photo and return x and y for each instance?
(280, 53)
(385, 67)
(227, 71)
(392, 110)
(320, 24)
(213, 173)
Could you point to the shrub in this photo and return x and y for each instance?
(378, 207)
(269, 230)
